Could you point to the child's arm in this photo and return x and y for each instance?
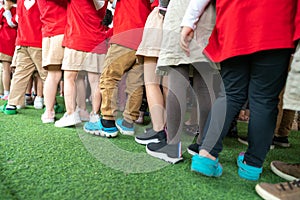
(9, 18)
(188, 24)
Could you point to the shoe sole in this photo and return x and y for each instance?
(67, 125)
(123, 132)
(163, 156)
(191, 152)
(264, 194)
(286, 145)
(145, 142)
(102, 134)
(281, 174)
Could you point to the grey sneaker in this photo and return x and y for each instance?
(287, 190)
(167, 152)
(287, 171)
(151, 136)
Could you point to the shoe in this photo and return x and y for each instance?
(92, 126)
(287, 190)
(38, 102)
(83, 114)
(100, 130)
(28, 100)
(193, 149)
(167, 152)
(206, 166)
(68, 120)
(8, 110)
(246, 171)
(244, 140)
(281, 141)
(287, 171)
(4, 97)
(151, 136)
(46, 119)
(124, 127)
(233, 131)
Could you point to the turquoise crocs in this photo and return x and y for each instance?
(246, 171)
(206, 166)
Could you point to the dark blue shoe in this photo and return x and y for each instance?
(246, 171)
(206, 166)
(124, 129)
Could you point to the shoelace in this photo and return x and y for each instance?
(291, 185)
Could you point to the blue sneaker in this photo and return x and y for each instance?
(206, 166)
(246, 171)
(124, 129)
(97, 128)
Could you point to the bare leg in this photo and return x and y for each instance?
(70, 90)
(95, 90)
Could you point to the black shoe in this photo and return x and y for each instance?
(167, 152)
(244, 140)
(233, 131)
(193, 149)
(281, 141)
(151, 136)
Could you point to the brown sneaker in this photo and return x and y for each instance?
(279, 191)
(287, 171)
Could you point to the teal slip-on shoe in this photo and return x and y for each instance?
(206, 166)
(246, 171)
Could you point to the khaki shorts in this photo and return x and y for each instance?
(5, 57)
(80, 60)
(152, 35)
(53, 52)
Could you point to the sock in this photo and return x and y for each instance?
(108, 123)
(127, 124)
(6, 93)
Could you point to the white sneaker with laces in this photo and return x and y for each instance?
(68, 120)
(38, 102)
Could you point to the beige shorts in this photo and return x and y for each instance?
(5, 57)
(14, 59)
(80, 60)
(53, 52)
(152, 35)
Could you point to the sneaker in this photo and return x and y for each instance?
(124, 127)
(287, 171)
(83, 114)
(244, 140)
(108, 132)
(246, 171)
(151, 136)
(46, 119)
(281, 141)
(167, 152)
(206, 166)
(68, 120)
(92, 126)
(38, 102)
(28, 100)
(193, 149)
(4, 97)
(287, 190)
(8, 110)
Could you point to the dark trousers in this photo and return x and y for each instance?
(259, 77)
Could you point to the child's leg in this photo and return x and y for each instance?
(95, 92)
(70, 90)
(6, 76)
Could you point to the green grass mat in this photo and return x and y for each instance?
(39, 161)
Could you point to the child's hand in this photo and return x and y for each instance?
(8, 5)
(187, 35)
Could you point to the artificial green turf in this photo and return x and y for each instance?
(39, 161)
